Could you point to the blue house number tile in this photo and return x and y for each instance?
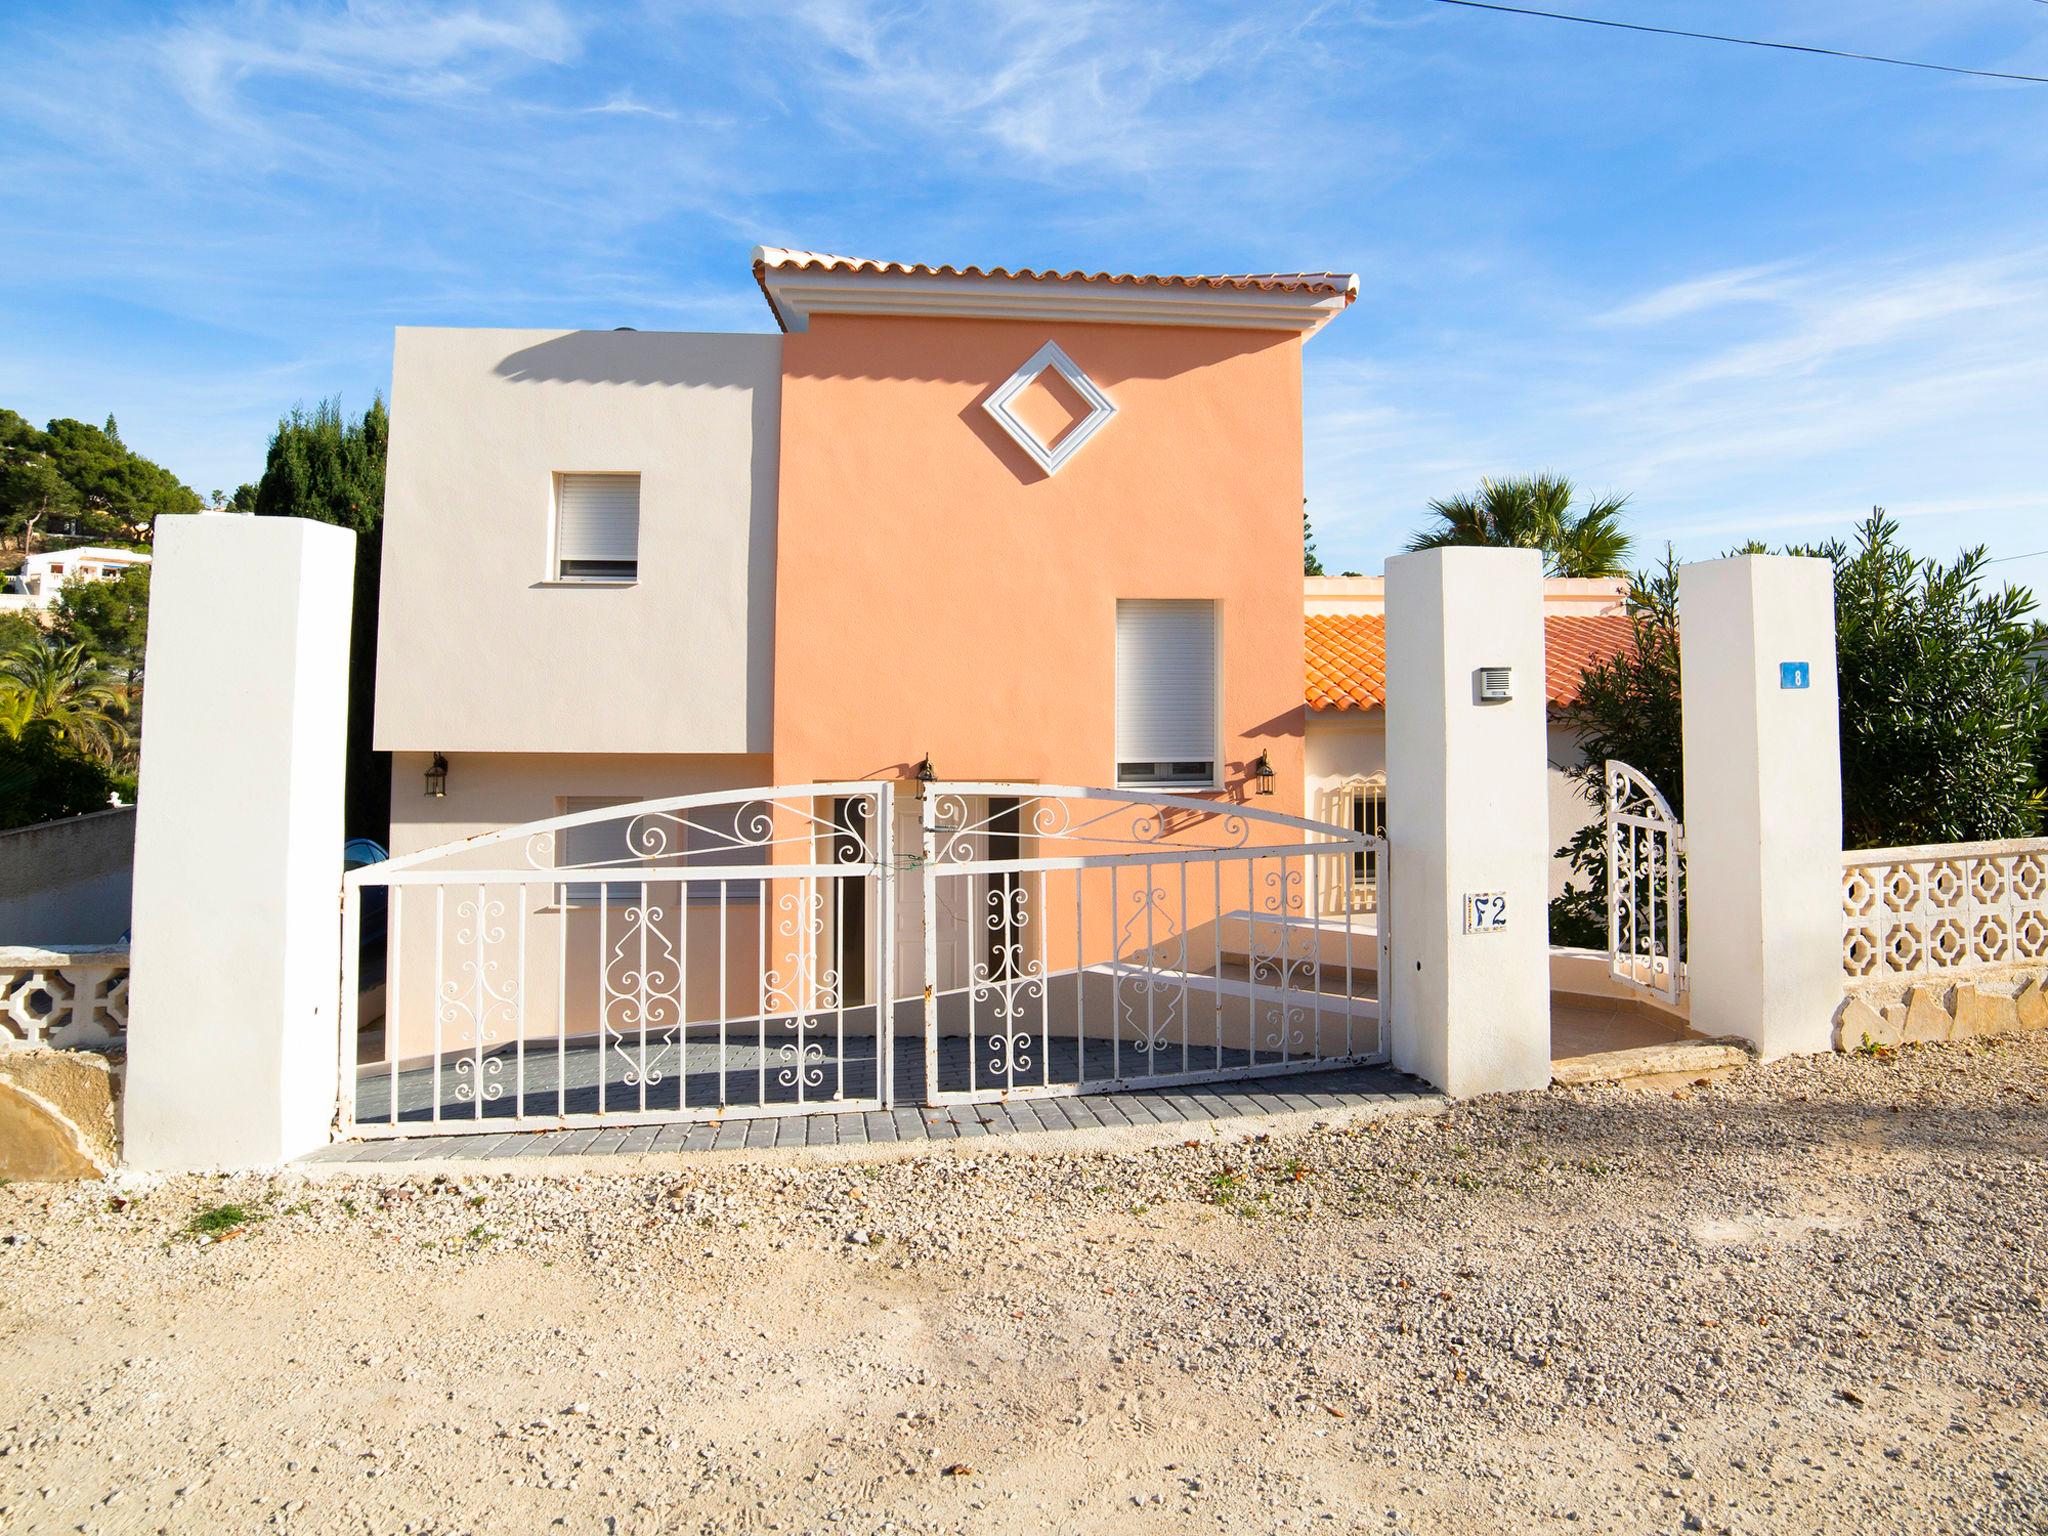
(1794, 674)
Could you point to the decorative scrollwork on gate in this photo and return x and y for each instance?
(1106, 823)
(1150, 990)
(802, 988)
(480, 998)
(642, 993)
(1007, 979)
(1287, 963)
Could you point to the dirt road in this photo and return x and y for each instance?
(1810, 1298)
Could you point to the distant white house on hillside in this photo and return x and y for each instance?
(43, 576)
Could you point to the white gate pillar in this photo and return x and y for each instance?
(235, 957)
(1468, 815)
(1763, 799)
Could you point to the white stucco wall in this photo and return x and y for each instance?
(479, 650)
(488, 791)
(233, 1008)
(1763, 800)
(1466, 814)
(1340, 745)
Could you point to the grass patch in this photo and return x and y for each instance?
(218, 1220)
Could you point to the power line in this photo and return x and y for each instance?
(2031, 554)
(1747, 42)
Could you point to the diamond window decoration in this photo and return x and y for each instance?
(1049, 455)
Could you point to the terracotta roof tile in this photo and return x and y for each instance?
(1346, 656)
(1347, 661)
(824, 261)
(1574, 642)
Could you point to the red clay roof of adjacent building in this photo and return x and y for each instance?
(1347, 661)
(1346, 656)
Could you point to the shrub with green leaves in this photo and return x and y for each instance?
(1944, 708)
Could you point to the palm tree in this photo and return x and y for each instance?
(1535, 512)
(65, 685)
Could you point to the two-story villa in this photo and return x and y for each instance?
(1033, 526)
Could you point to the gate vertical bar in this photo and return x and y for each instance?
(519, 1007)
(764, 892)
(881, 847)
(1216, 952)
(1347, 900)
(440, 926)
(724, 940)
(682, 992)
(604, 1020)
(1080, 980)
(1312, 916)
(351, 989)
(560, 892)
(483, 1002)
(645, 914)
(1613, 870)
(394, 988)
(1286, 966)
(1183, 966)
(1045, 984)
(928, 936)
(1383, 921)
(1674, 910)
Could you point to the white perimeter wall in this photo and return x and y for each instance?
(479, 650)
(67, 883)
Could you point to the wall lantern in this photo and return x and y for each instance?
(437, 778)
(926, 775)
(1262, 772)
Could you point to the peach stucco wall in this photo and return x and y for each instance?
(935, 590)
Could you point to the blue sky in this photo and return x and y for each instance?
(1757, 291)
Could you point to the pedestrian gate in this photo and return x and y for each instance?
(1645, 885)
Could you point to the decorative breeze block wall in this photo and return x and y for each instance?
(1944, 907)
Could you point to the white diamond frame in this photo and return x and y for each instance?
(1049, 457)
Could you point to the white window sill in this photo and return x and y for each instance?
(588, 581)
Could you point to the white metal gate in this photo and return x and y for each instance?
(1087, 940)
(736, 954)
(1645, 885)
(710, 955)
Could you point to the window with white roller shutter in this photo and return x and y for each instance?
(597, 527)
(1166, 693)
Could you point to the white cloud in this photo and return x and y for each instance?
(1049, 88)
(1779, 400)
(373, 46)
(1745, 285)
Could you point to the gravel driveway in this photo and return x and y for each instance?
(1808, 1298)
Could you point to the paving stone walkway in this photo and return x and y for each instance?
(1342, 1089)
